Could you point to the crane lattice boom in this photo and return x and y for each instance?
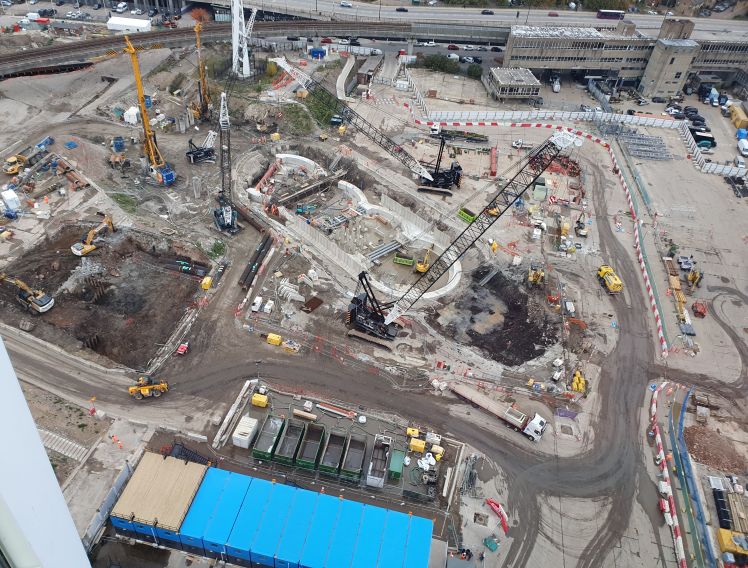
(529, 169)
(330, 101)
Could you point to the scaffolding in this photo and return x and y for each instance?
(644, 146)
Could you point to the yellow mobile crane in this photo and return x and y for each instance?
(86, 245)
(201, 109)
(34, 300)
(159, 170)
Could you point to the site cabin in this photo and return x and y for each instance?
(122, 24)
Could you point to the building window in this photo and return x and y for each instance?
(672, 60)
(678, 75)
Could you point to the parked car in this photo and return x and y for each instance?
(59, 2)
(477, 59)
(497, 49)
(652, 13)
(98, 6)
(345, 4)
(6, 3)
(631, 112)
(553, 14)
(453, 56)
(401, 9)
(152, 12)
(344, 41)
(678, 116)
(136, 12)
(452, 47)
(659, 100)
(355, 42)
(584, 108)
(469, 48)
(325, 40)
(487, 12)
(642, 102)
(467, 59)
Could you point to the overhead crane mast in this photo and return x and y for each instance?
(159, 170)
(202, 88)
(317, 91)
(225, 215)
(528, 170)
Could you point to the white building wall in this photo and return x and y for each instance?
(36, 529)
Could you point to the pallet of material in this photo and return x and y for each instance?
(674, 282)
(672, 270)
(737, 512)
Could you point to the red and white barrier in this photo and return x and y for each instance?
(671, 514)
(640, 256)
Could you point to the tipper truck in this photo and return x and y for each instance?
(531, 426)
(26, 158)
(609, 279)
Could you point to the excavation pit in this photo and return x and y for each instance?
(122, 301)
(500, 318)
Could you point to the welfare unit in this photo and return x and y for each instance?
(155, 501)
(311, 446)
(247, 521)
(366, 553)
(202, 509)
(269, 533)
(323, 523)
(294, 535)
(244, 433)
(344, 537)
(218, 530)
(332, 453)
(394, 539)
(122, 24)
(290, 440)
(268, 438)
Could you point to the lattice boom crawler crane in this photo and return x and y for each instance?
(377, 318)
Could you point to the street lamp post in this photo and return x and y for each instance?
(380, 10)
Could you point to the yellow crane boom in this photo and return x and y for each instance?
(160, 170)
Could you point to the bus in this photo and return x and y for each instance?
(704, 137)
(611, 14)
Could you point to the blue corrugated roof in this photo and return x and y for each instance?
(344, 539)
(266, 540)
(320, 532)
(392, 551)
(201, 510)
(224, 515)
(296, 529)
(369, 537)
(249, 518)
(419, 542)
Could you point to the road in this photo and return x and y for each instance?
(500, 18)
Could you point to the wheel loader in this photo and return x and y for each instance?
(147, 386)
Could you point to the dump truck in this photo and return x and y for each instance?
(609, 279)
(26, 158)
(531, 426)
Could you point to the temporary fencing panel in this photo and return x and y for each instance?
(392, 551)
(265, 542)
(320, 532)
(419, 542)
(369, 539)
(247, 521)
(295, 532)
(344, 538)
(224, 515)
(201, 511)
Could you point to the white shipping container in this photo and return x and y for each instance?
(122, 24)
(244, 432)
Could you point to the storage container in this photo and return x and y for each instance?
(260, 400)
(417, 445)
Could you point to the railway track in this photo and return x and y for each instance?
(14, 64)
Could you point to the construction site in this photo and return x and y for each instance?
(338, 284)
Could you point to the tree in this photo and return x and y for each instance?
(200, 15)
(441, 63)
(474, 71)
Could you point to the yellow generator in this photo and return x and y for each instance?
(146, 387)
(609, 279)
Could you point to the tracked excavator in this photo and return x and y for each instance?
(35, 300)
(86, 245)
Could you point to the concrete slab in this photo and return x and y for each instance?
(86, 489)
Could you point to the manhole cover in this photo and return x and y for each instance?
(480, 519)
(566, 430)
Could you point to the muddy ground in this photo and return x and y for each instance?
(500, 318)
(122, 301)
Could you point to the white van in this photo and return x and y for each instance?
(740, 162)
(743, 148)
(121, 8)
(257, 304)
(33, 16)
(453, 56)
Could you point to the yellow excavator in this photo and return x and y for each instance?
(422, 265)
(86, 246)
(535, 274)
(34, 300)
(147, 387)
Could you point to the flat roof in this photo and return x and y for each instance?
(680, 42)
(572, 33)
(510, 76)
(160, 490)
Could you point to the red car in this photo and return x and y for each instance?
(453, 47)
(325, 40)
(553, 14)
